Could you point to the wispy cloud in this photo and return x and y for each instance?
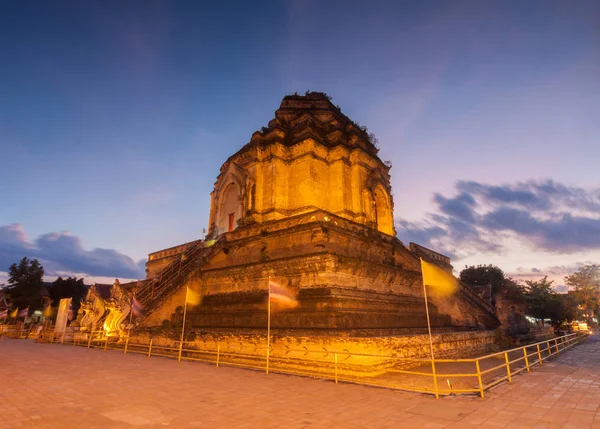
(545, 216)
(555, 273)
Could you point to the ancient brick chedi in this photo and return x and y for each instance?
(307, 203)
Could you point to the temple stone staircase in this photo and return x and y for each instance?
(154, 292)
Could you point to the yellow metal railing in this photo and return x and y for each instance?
(13, 331)
(440, 377)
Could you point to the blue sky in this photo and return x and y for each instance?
(115, 117)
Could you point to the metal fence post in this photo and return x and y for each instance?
(526, 358)
(560, 343)
(435, 385)
(541, 361)
(89, 340)
(180, 347)
(336, 368)
(507, 367)
(267, 365)
(556, 345)
(106, 343)
(150, 348)
(126, 344)
(548, 348)
(479, 378)
(218, 353)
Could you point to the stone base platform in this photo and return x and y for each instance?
(357, 356)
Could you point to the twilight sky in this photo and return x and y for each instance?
(115, 117)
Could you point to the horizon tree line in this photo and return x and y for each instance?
(26, 289)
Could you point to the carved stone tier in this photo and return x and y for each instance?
(347, 277)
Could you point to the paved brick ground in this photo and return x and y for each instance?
(59, 386)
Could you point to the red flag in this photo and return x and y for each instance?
(136, 307)
(281, 295)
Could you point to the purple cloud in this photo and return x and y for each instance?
(62, 252)
(556, 273)
(546, 215)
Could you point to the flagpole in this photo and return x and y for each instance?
(184, 313)
(131, 312)
(268, 323)
(430, 336)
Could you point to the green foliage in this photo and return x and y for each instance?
(586, 288)
(562, 308)
(68, 288)
(544, 303)
(482, 275)
(513, 291)
(538, 297)
(25, 283)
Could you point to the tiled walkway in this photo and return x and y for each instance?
(59, 386)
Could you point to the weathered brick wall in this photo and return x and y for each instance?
(445, 345)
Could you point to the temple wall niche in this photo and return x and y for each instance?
(383, 211)
(230, 210)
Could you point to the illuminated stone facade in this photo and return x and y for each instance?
(307, 203)
(310, 157)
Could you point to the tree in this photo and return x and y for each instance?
(561, 308)
(586, 288)
(68, 288)
(539, 297)
(25, 283)
(513, 291)
(482, 275)
(544, 303)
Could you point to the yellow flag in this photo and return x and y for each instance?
(438, 280)
(192, 297)
(47, 311)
